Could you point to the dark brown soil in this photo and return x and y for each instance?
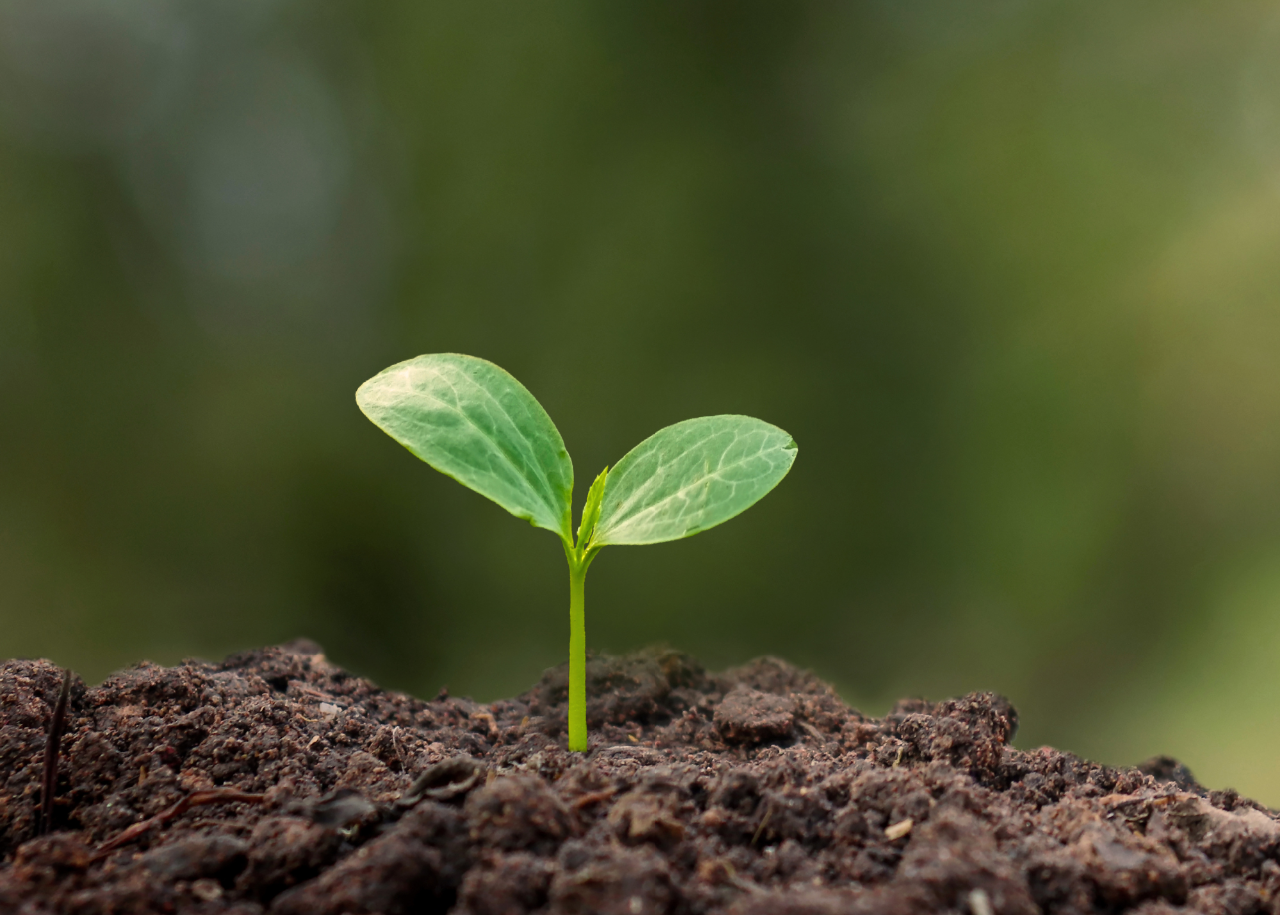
(279, 783)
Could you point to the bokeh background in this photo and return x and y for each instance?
(1008, 270)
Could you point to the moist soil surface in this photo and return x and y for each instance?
(275, 782)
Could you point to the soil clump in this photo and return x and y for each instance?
(275, 782)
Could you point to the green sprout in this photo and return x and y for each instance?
(471, 420)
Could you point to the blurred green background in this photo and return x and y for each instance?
(1008, 270)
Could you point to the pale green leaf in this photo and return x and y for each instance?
(473, 421)
(691, 476)
(591, 510)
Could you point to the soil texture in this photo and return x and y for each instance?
(275, 782)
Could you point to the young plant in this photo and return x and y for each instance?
(474, 422)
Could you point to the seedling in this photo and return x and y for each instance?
(474, 422)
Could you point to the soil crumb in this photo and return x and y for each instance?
(275, 782)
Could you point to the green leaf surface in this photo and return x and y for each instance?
(591, 510)
(691, 476)
(473, 421)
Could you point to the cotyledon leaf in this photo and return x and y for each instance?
(691, 476)
(473, 421)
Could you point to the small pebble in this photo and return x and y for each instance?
(979, 903)
(898, 830)
(206, 890)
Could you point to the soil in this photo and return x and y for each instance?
(275, 782)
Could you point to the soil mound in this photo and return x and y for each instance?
(275, 782)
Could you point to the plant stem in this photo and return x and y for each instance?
(577, 655)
